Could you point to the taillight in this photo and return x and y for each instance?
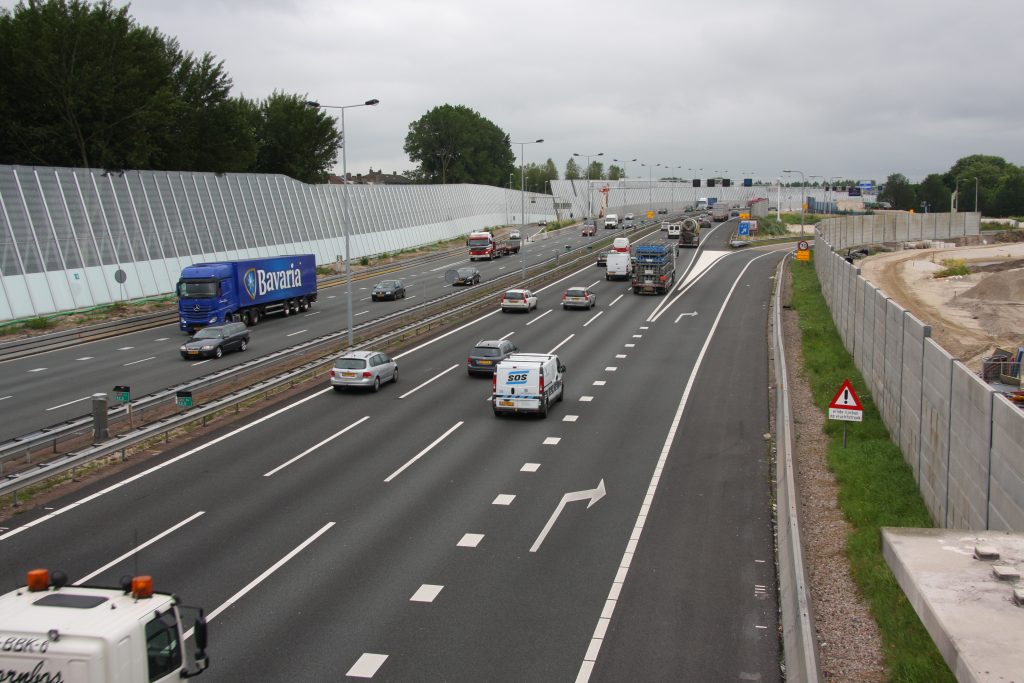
(542, 385)
(332, 374)
(563, 296)
(367, 374)
(494, 383)
(469, 360)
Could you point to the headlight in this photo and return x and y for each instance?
(183, 348)
(207, 347)
(213, 320)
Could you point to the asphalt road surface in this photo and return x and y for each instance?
(411, 535)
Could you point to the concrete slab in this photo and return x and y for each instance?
(970, 614)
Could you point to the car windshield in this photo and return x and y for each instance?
(388, 284)
(514, 295)
(350, 363)
(485, 352)
(465, 272)
(479, 242)
(209, 333)
(576, 291)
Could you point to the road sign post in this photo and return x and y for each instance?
(183, 399)
(846, 406)
(123, 393)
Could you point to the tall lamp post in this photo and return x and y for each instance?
(625, 174)
(650, 185)
(522, 197)
(590, 206)
(344, 204)
(803, 190)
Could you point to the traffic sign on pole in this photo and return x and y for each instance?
(845, 405)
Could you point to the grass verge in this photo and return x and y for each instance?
(876, 488)
(953, 266)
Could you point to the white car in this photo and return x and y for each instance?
(628, 217)
(518, 300)
(514, 235)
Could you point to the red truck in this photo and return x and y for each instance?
(482, 245)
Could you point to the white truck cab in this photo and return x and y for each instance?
(50, 631)
(527, 383)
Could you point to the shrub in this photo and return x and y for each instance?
(953, 266)
(37, 323)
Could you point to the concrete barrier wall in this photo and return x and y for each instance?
(970, 433)
(915, 333)
(963, 441)
(1006, 498)
(936, 388)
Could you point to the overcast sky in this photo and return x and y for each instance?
(858, 89)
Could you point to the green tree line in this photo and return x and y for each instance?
(989, 184)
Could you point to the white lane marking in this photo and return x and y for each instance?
(539, 317)
(691, 279)
(616, 299)
(37, 369)
(586, 399)
(470, 540)
(4, 398)
(156, 468)
(630, 346)
(449, 265)
(126, 348)
(599, 382)
(366, 666)
(638, 336)
(620, 355)
(587, 666)
(366, 298)
(362, 313)
(309, 450)
(570, 418)
(502, 268)
(596, 316)
(331, 296)
(595, 283)
(530, 467)
(411, 297)
(506, 336)
(426, 593)
(611, 368)
(559, 344)
(162, 339)
(424, 451)
(503, 499)
(552, 440)
(644, 327)
(85, 358)
(415, 389)
(273, 568)
(84, 398)
(202, 361)
(311, 314)
(295, 333)
(135, 362)
(136, 549)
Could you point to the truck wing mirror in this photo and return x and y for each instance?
(561, 368)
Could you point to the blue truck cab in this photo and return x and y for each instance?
(248, 290)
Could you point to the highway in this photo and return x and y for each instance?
(411, 535)
(40, 391)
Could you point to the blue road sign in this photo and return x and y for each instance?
(744, 230)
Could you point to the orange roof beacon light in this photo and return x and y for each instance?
(142, 587)
(38, 580)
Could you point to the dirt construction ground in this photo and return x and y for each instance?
(970, 315)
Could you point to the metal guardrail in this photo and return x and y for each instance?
(798, 642)
(391, 328)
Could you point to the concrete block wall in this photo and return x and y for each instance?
(970, 433)
(1006, 492)
(936, 390)
(963, 441)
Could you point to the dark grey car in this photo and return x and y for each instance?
(487, 354)
(388, 289)
(212, 342)
(467, 276)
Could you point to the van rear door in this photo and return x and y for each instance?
(517, 387)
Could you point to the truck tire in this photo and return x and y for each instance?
(287, 310)
(255, 314)
(246, 318)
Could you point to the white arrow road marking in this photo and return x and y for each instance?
(685, 315)
(593, 495)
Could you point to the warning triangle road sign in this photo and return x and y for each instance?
(846, 398)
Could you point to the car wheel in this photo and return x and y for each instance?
(561, 394)
(376, 384)
(243, 345)
(339, 389)
(394, 377)
(218, 352)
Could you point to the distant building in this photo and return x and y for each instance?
(371, 178)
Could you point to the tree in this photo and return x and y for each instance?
(898, 191)
(1009, 197)
(933, 191)
(572, 170)
(990, 171)
(614, 172)
(595, 171)
(550, 170)
(83, 86)
(454, 144)
(295, 139)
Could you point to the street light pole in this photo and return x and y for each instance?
(590, 206)
(650, 185)
(522, 199)
(803, 192)
(345, 208)
(625, 174)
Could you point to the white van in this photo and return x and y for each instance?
(674, 230)
(619, 266)
(611, 221)
(527, 383)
